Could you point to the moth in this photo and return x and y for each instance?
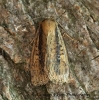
(49, 59)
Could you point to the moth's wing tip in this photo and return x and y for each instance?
(40, 80)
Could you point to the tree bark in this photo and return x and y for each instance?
(79, 24)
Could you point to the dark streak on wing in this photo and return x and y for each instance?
(41, 51)
(57, 51)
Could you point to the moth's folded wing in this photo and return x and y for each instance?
(38, 76)
(57, 60)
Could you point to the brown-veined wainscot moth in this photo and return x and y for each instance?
(49, 60)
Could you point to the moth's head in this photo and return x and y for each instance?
(48, 26)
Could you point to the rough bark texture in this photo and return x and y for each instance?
(77, 18)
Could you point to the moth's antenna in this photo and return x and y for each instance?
(59, 23)
(54, 10)
(61, 14)
(57, 13)
(66, 33)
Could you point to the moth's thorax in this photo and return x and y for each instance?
(48, 26)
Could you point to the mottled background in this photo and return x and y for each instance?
(18, 22)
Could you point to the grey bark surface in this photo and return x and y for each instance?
(18, 22)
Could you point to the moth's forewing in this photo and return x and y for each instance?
(38, 75)
(56, 64)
